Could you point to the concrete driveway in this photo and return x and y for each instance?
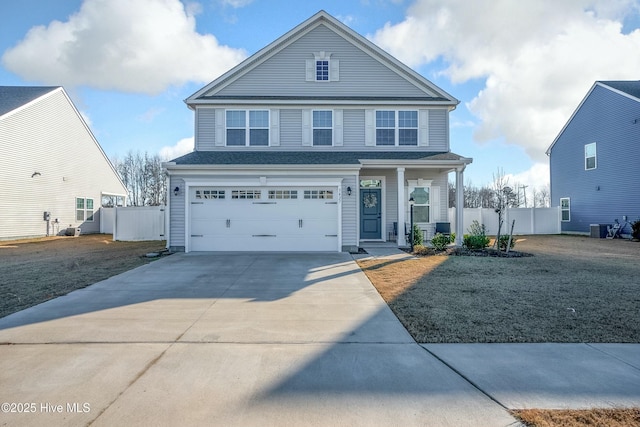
(229, 339)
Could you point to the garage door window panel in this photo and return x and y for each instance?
(318, 194)
(245, 194)
(283, 194)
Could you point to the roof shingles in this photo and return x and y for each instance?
(12, 97)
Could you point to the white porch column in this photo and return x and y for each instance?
(459, 205)
(401, 206)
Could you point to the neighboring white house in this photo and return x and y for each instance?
(315, 143)
(50, 162)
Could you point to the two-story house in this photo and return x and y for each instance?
(53, 173)
(317, 142)
(594, 159)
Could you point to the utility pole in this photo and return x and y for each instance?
(524, 187)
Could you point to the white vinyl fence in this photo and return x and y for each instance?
(528, 220)
(134, 223)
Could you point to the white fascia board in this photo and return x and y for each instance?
(296, 170)
(259, 182)
(266, 103)
(429, 164)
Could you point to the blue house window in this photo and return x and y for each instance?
(590, 156)
(565, 209)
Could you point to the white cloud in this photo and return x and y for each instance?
(142, 46)
(182, 147)
(539, 57)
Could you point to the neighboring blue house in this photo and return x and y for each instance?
(595, 160)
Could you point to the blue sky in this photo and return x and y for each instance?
(519, 68)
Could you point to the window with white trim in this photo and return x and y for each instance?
(565, 209)
(397, 127)
(322, 127)
(590, 156)
(247, 127)
(318, 194)
(322, 68)
(245, 194)
(84, 209)
(283, 194)
(421, 203)
(210, 194)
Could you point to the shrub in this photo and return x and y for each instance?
(504, 241)
(635, 226)
(440, 241)
(421, 250)
(477, 237)
(474, 242)
(417, 235)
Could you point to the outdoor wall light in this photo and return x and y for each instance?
(176, 191)
(349, 191)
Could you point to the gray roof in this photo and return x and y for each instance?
(12, 97)
(630, 87)
(305, 157)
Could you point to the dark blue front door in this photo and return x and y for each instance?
(370, 213)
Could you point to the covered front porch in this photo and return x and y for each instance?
(384, 193)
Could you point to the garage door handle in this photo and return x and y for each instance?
(330, 203)
(330, 235)
(263, 235)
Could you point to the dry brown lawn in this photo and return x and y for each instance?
(573, 289)
(36, 270)
(573, 418)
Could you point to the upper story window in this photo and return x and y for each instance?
(396, 127)
(590, 156)
(247, 127)
(323, 127)
(322, 68)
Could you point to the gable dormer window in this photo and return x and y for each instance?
(323, 68)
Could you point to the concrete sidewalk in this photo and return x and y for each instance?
(275, 339)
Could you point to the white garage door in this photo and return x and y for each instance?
(264, 219)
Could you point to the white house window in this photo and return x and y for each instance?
(590, 156)
(322, 70)
(84, 209)
(255, 134)
(245, 194)
(283, 194)
(318, 194)
(323, 127)
(421, 203)
(209, 194)
(396, 127)
(565, 209)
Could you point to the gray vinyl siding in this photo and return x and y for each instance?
(290, 128)
(349, 214)
(290, 125)
(600, 195)
(439, 129)
(353, 122)
(177, 215)
(284, 73)
(50, 138)
(205, 128)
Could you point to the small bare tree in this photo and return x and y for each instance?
(503, 195)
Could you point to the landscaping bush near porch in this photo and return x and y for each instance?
(573, 289)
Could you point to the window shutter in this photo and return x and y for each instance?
(220, 127)
(338, 133)
(435, 204)
(274, 131)
(310, 70)
(306, 127)
(369, 128)
(423, 127)
(334, 70)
